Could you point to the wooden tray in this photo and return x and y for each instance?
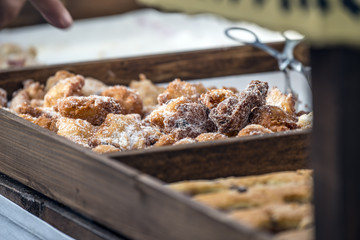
(125, 199)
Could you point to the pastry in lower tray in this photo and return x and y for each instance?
(143, 115)
(275, 202)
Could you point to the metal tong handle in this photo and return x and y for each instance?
(255, 43)
(285, 58)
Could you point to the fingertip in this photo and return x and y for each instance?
(65, 21)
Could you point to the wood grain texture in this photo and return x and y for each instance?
(104, 190)
(158, 68)
(230, 157)
(57, 215)
(335, 158)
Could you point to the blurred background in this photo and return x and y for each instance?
(113, 28)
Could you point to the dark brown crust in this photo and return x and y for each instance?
(232, 114)
(273, 118)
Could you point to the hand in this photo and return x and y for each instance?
(52, 10)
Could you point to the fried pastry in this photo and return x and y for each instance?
(165, 140)
(232, 114)
(253, 129)
(186, 140)
(204, 137)
(182, 118)
(45, 121)
(127, 98)
(213, 97)
(126, 132)
(106, 149)
(34, 89)
(188, 120)
(275, 201)
(12, 55)
(181, 113)
(92, 86)
(273, 118)
(77, 130)
(157, 117)
(178, 88)
(276, 217)
(147, 91)
(3, 98)
(93, 109)
(64, 88)
(284, 101)
(59, 75)
(20, 98)
(305, 120)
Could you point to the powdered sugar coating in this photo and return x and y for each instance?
(64, 88)
(232, 114)
(305, 120)
(183, 118)
(59, 75)
(273, 118)
(215, 96)
(284, 101)
(34, 89)
(178, 88)
(189, 120)
(77, 130)
(129, 100)
(93, 86)
(125, 132)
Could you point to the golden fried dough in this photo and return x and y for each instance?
(147, 91)
(3, 98)
(126, 132)
(92, 109)
(253, 129)
(215, 96)
(106, 149)
(178, 88)
(93, 86)
(64, 88)
(273, 118)
(127, 98)
(284, 101)
(77, 130)
(204, 137)
(59, 75)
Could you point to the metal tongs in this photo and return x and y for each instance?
(286, 60)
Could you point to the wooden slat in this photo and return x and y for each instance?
(229, 157)
(104, 190)
(57, 215)
(158, 68)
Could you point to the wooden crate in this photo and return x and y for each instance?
(124, 199)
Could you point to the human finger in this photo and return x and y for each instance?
(54, 12)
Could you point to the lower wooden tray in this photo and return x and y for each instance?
(123, 198)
